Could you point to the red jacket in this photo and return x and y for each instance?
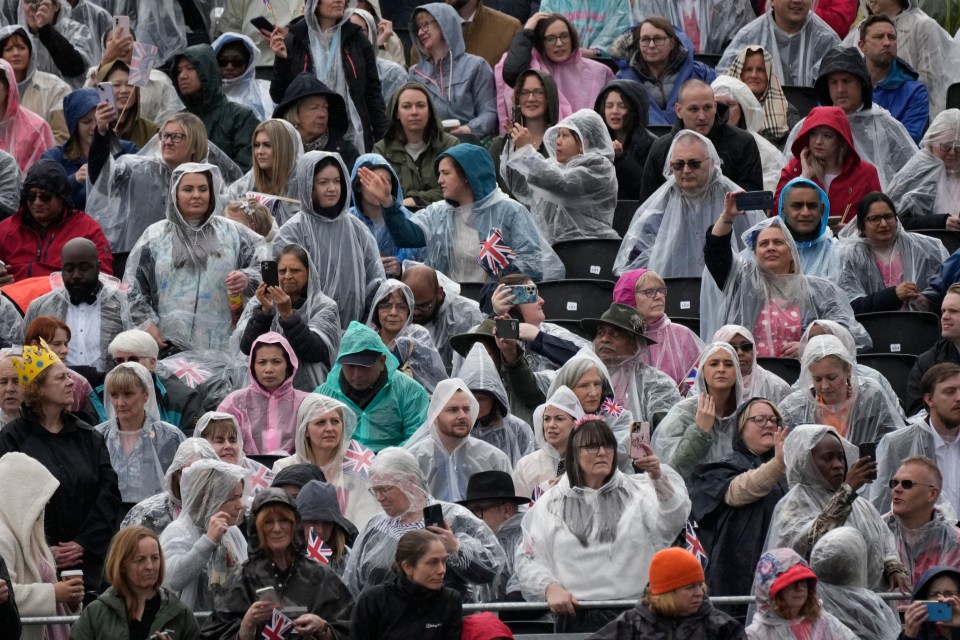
(29, 254)
(857, 178)
(839, 14)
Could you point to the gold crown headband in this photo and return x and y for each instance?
(34, 361)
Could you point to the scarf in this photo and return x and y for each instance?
(773, 101)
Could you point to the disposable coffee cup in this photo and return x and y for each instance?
(70, 574)
(452, 123)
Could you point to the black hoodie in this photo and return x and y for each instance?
(848, 60)
(629, 164)
(338, 123)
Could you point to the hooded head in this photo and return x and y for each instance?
(210, 417)
(194, 210)
(309, 439)
(777, 569)
(315, 178)
(76, 105)
(374, 161)
(9, 80)
(27, 488)
(730, 88)
(15, 29)
(636, 100)
(808, 187)
(442, 396)
(278, 499)
(448, 21)
(831, 328)
(279, 376)
(847, 64)
(294, 477)
(921, 590)
(189, 451)
(565, 400)
(397, 468)
(476, 166)
(840, 558)
(569, 375)
(233, 48)
(317, 502)
(384, 292)
(482, 378)
(434, 124)
(836, 381)
(833, 118)
(203, 61)
(306, 86)
(49, 176)
(803, 467)
(690, 147)
(592, 135)
(205, 486)
(751, 238)
(310, 15)
(711, 357)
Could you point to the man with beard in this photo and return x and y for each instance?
(618, 341)
(446, 452)
(92, 305)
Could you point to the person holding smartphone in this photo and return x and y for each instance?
(937, 585)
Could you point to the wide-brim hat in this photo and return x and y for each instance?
(463, 342)
(491, 485)
(619, 315)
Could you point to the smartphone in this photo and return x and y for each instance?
(122, 25)
(105, 90)
(868, 449)
(262, 23)
(524, 293)
(433, 516)
(755, 201)
(268, 593)
(639, 436)
(517, 115)
(508, 329)
(268, 273)
(938, 611)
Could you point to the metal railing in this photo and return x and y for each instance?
(497, 606)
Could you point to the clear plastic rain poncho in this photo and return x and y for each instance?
(839, 560)
(247, 90)
(767, 625)
(718, 20)
(478, 560)
(392, 75)
(679, 441)
(836, 329)
(759, 383)
(413, 346)
(936, 543)
(797, 512)
(176, 271)
(579, 365)
(10, 178)
(642, 389)
(343, 251)
(865, 416)
(796, 57)
(140, 463)
(447, 472)
(158, 511)
(196, 566)
(23, 134)
(502, 429)
(140, 182)
(266, 418)
(81, 39)
(598, 543)
(753, 120)
(40, 92)
(751, 296)
(349, 467)
(666, 233)
(282, 211)
(11, 324)
(537, 468)
(443, 224)
(321, 315)
(867, 268)
(924, 185)
(572, 200)
(160, 23)
(879, 138)
(820, 256)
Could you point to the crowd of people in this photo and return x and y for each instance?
(240, 374)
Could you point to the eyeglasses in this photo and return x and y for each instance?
(387, 306)
(877, 219)
(175, 138)
(42, 196)
(762, 421)
(426, 307)
(562, 37)
(478, 510)
(119, 361)
(949, 146)
(907, 484)
(943, 594)
(595, 448)
(377, 492)
(531, 93)
(653, 292)
(678, 165)
(426, 25)
(746, 347)
(232, 62)
(655, 40)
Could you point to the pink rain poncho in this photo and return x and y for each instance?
(677, 348)
(267, 420)
(23, 134)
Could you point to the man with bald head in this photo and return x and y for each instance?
(698, 110)
(91, 304)
(439, 307)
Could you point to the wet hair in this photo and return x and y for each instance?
(863, 207)
(589, 432)
(412, 546)
(540, 31)
(877, 18)
(274, 181)
(665, 604)
(123, 379)
(123, 549)
(937, 374)
(286, 357)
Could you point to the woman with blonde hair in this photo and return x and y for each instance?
(136, 605)
(276, 148)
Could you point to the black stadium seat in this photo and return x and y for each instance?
(911, 332)
(659, 130)
(953, 96)
(623, 215)
(588, 259)
(803, 98)
(690, 323)
(471, 290)
(785, 368)
(709, 59)
(895, 367)
(683, 297)
(266, 460)
(950, 239)
(573, 326)
(575, 299)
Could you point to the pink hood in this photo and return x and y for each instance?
(23, 134)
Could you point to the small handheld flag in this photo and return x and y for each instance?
(495, 254)
(279, 627)
(318, 550)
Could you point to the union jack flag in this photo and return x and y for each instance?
(189, 373)
(690, 380)
(357, 459)
(142, 62)
(692, 543)
(611, 407)
(537, 492)
(279, 628)
(318, 549)
(261, 479)
(267, 200)
(495, 255)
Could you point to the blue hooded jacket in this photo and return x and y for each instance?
(76, 105)
(379, 230)
(905, 97)
(821, 256)
(928, 629)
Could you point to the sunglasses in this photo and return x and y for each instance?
(746, 347)
(119, 361)
(907, 484)
(232, 62)
(678, 165)
(42, 197)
